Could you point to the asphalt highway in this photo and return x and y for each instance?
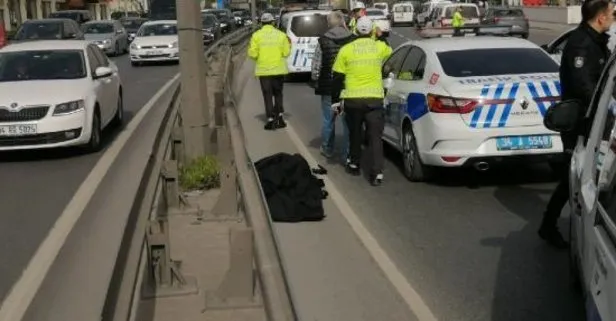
(467, 242)
(36, 186)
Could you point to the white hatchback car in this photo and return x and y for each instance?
(57, 94)
(155, 41)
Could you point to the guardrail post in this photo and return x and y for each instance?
(237, 290)
(228, 201)
(178, 152)
(171, 188)
(165, 278)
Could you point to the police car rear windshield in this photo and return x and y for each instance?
(496, 61)
(313, 25)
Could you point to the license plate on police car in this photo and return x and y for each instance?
(17, 130)
(523, 142)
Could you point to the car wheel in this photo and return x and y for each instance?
(414, 169)
(95, 142)
(118, 118)
(525, 36)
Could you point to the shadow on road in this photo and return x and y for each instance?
(525, 259)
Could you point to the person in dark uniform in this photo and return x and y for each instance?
(583, 58)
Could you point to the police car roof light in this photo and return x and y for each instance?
(450, 105)
(466, 31)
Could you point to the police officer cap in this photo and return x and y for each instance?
(364, 26)
(267, 17)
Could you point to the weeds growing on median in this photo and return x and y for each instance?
(203, 173)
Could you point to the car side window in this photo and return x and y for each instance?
(92, 59)
(411, 63)
(559, 44)
(66, 29)
(394, 63)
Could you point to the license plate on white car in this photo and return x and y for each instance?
(154, 53)
(523, 142)
(17, 130)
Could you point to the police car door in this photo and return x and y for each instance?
(408, 85)
(555, 48)
(391, 69)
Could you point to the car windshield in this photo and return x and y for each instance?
(380, 6)
(39, 31)
(42, 65)
(132, 24)
(374, 13)
(467, 11)
(160, 29)
(220, 14)
(97, 28)
(273, 11)
(309, 25)
(489, 62)
(208, 21)
(508, 13)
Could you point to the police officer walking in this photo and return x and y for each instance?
(582, 61)
(357, 80)
(457, 22)
(270, 47)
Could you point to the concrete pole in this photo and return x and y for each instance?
(253, 10)
(195, 109)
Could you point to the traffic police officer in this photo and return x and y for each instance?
(357, 80)
(270, 47)
(582, 61)
(457, 22)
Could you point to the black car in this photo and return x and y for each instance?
(132, 25)
(211, 28)
(225, 17)
(242, 17)
(79, 16)
(48, 29)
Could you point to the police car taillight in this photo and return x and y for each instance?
(450, 105)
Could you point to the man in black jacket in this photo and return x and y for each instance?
(324, 57)
(583, 58)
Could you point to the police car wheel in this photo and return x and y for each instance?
(414, 169)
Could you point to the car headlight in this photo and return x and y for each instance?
(134, 46)
(107, 41)
(223, 24)
(174, 45)
(68, 107)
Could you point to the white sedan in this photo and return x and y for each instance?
(379, 19)
(155, 41)
(57, 94)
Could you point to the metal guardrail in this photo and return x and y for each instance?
(147, 248)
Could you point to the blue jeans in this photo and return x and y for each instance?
(328, 131)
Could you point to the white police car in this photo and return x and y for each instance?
(470, 101)
(303, 27)
(592, 199)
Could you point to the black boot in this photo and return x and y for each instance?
(280, 123)
(376, 180)
(551, 235)
(270, 125)
(352, 169)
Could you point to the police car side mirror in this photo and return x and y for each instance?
(563, 116)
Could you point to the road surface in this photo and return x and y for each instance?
(468, 242)
(36, 186)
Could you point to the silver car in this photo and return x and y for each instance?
(109, 35)
(509, 17)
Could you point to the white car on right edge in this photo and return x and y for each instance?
(592, 182)
(453, 103)
(156, 41)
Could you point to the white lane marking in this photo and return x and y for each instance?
(24, 290)
(412, 299)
